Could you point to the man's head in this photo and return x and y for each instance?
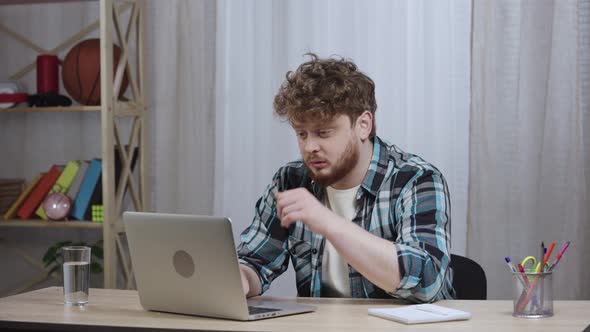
(331, 106)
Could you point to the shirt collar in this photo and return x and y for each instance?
(377, 168)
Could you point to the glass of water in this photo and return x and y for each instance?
(76, 268)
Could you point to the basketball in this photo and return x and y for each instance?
(81, 72)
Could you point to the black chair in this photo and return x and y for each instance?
(469, 279)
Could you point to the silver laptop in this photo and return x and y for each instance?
(188, 264)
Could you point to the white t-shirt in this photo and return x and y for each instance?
(335, 281)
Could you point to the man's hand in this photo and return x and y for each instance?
(300, 204)
(250, 281)
(245, 284)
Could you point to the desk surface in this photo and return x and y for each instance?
(43, 310)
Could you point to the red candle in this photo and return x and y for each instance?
(47, 74)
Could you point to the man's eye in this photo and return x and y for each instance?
(301, 134)
(324, 133)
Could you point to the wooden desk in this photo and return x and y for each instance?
(119, 310)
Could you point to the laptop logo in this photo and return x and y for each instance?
(183, 263)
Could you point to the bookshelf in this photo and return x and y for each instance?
(133, 184)
(51, 109)
(56, 224)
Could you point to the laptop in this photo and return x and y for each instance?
(187, 264)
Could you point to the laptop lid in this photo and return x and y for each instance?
(188, 264)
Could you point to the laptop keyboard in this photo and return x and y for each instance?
(260, 310)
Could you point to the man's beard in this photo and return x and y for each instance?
(340, 169)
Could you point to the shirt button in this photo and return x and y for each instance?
(314, 251)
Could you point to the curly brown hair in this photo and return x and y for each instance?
(320, 89)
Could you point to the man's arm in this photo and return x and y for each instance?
(416, 265)
(423, 211)
(263, 250)
(374, 257)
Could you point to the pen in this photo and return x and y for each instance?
(510, 265)
(521, 269)
(526, 285)
(513, 269)
(543, 251)
(430, 311)
(563, 249)
(547, 255)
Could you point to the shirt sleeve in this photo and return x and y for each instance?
(423, 241)
(263, 245)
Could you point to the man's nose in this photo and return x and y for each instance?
(311, 145)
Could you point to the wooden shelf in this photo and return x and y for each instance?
(29, 2)
(122, 23)
(51, 109)
(55, 224)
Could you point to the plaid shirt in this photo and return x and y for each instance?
(402, 199)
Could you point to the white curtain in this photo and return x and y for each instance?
(182, 78)
(417, 52)
(529, 174)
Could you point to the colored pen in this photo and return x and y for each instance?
(543, 251)
(513, 269)
(510, 265)
(563, 249)
(521, 269)
(547, 255)
(526, 286)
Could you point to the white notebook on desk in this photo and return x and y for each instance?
(420, 313)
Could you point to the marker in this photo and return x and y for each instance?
(514, 270)
(521, 269)
(563, 249)
(510, 265)
(543, 252)
(547, 255)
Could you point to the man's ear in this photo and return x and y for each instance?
(364, 125)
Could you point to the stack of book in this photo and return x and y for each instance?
(80, 180)
(10, 189)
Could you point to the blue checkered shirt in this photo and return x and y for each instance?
(403, 199)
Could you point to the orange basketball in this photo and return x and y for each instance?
(81, 72)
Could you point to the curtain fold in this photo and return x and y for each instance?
(529, 157)
(181, 55)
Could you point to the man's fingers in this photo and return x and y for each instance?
(288, 209)
(245, 284)
(286, 198)
(290, 218)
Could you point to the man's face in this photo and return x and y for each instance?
(330, 150)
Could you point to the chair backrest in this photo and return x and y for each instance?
(469, 279)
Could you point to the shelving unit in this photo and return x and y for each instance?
(112, 111)
(56, 224)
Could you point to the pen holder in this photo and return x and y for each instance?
(532, 294)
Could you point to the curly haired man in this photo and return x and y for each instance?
(356, 216)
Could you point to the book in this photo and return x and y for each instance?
(420, 313)
(38, 194)
(96, 198)
(10, 189)
(11, 213)
(61, 185)
(89, 183)
(75, 185)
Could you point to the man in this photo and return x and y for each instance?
(357, 217)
